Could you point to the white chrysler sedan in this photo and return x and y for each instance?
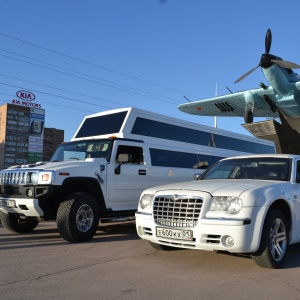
(246, 204)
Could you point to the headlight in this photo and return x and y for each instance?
(45, 177)
(231, 205)
(34, 177)
(146, 201)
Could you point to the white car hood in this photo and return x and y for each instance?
(55, 166)
(216, 187)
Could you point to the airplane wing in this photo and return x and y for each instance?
(232, 105)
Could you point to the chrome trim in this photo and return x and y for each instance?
(143, 213)
(177, 210)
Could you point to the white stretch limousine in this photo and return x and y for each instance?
(112, 158)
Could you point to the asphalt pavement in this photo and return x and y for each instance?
(116, 264)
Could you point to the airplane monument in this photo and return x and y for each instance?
(281, 99)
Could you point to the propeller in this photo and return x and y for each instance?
(267, 60)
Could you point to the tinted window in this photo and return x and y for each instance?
(100, 125)
(135, 154)
(177, 133)
(260, 168)
(177, 159)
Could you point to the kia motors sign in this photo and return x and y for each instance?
(25, 95)
(25, 99)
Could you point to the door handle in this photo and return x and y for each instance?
(142, 172)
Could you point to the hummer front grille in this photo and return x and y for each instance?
(15, 177)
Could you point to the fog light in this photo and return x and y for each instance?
(140, 230)
(228, 241)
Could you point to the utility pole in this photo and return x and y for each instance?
(216, 94)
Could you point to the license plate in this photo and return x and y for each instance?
(178, 234)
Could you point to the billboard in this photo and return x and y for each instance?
(36, 135)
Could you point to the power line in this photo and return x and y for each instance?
(60, 105)
(82, 78)
(104, 40)
(53, 95)
(76, 72)
(59, 89)
(93, 64)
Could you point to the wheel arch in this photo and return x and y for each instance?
(266, 255)
(279, 204)
(84, 185)
(283, 206)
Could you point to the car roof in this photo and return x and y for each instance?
(264, 155)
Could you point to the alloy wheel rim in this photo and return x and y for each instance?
(84, 218)
(278, 240)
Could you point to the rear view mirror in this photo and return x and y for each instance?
(122, 158)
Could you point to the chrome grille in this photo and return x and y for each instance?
(182, 212)
(14, 177)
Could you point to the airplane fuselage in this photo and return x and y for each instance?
(286, 96)
(281, 80)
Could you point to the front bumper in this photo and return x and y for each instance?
(208, 234)
(21, 206)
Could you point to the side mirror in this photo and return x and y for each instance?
(197, 176)
(122, 158)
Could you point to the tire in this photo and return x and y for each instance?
(274, 241)
(78, 218)
(161, 247)
(248, 117)
(15, 224)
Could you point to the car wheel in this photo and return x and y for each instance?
(15, 224)
(274, 241)
(78, 217)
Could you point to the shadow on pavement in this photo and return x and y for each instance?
(46, 234)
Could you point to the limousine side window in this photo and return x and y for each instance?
(298, 171)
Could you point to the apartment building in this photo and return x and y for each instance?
(52, 138)
(22, 135)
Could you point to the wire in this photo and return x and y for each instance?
(79, 77)
(93, 64)
(56, 66)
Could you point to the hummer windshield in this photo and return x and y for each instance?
(81, 150)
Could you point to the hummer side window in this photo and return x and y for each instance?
(135, 154)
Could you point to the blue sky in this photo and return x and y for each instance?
(83, 57)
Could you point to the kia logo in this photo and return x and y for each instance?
(25, 95)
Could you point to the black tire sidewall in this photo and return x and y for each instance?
(66, 217)
(13, 224)
(263, 256)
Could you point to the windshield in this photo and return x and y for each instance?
(265, 168)
(81, 150)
